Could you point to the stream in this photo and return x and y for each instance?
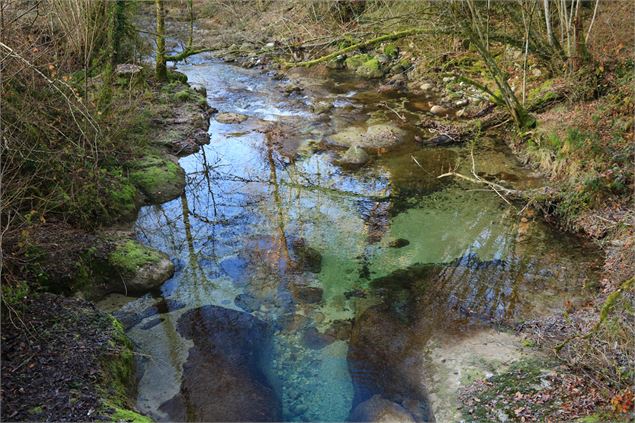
(303, 288)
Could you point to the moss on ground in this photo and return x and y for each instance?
(131, 255)
(391, 50)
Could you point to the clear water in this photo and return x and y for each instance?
(250, 204)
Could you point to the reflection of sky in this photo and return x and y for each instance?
(244, 205)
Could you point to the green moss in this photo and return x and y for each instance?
(159, 179)
(183, 95)
(119, 380)
(391, 50)
(354, 62)
(177, 76)
(131, 255)
(125, 415)
(370, 69)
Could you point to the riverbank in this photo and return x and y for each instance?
(44, 330)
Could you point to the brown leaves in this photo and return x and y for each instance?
(623, 403)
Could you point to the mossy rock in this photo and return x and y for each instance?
(119, 379)
(391, 50)
(354, 62)
(141, 268)
(370, 69)
(177, 76)
(160, 180)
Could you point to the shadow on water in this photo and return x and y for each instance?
(307, 292)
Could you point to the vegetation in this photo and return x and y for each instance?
(87, 126)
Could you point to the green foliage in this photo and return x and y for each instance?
(391, 50)
(13, 294)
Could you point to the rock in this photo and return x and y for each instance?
(536, 73)
(357, 60)
(140, 268)
(370, 69)
(307, 258)
(460, 113)
(461, 103)
(270, 45)
(340, 330)
(307, 294)
(292, 88)
(391, 51)
(383, 59)
(398, 243)
(322, 107)
(128, 70)
(309, 147)
(159, 179)
(230, 118)
(426, 87)
(354, 156)
(348, 137)
(448, 79)
(312, 338)
(248, 302)
(383, 135)
(224, 376)
(438, 110)
(378, 409)
(200, 89)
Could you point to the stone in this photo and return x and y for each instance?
(159, 179)
(230, 118)
(128, 69)
(438, 110)
(383, 135)
(354, 156)
(200, 89)
(426, 87)
(307, 258)
(313, 339)
(370, 69)
(322, 107)
(398, 243)
(461, 103)
(139, 268)
(378, 409)
(224, 375)
(460, 113)
(308, 294)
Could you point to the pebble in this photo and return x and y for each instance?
(438, 110)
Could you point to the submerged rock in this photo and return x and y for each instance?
(399, 243)
(307, 258)
(377, 136)
(378, 409)
(354, 156)
(223, 378)
(230, 118)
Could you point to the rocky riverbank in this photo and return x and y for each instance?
(44, 334)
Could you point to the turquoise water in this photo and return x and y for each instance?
(252, 209)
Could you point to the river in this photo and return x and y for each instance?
(303, 288)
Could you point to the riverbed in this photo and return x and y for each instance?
(304, 288)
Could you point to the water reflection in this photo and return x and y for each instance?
(253, 219)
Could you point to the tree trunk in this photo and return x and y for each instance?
(550, 38)
(161, 68)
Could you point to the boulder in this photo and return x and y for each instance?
(230, 118)
(140, 268)
(370, 69)
(200, 89)
(383, 135)
(378, 409)
(224, 376)
(159, 179)
(354, 156)
(438, 110)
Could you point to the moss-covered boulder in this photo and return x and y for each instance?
(370, 69)
(159, 179)
(141, 268)
(355, 61)
(376, 137)
(391, 50)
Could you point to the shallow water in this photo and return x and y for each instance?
(255, 327)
